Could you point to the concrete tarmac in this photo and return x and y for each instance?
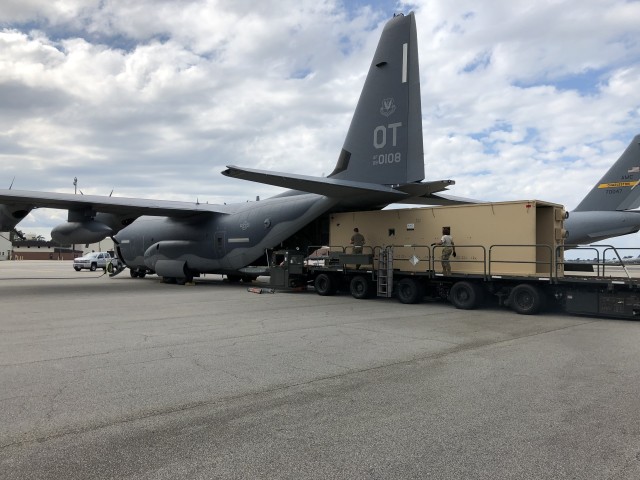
(135, 379)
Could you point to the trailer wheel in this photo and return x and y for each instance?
(325, 285)
(360, 287)
(409, 291)
(465, 295)
(526, 299)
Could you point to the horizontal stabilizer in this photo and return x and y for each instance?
(328, 187)
(440, 199)
(424, 189)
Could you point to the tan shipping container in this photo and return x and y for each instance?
(519, 237)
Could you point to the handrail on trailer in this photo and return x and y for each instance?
(562, 263)
(601, 264)
(429, 255)
(416, 250)
(536, 262)
(456, 260)
(622, 264)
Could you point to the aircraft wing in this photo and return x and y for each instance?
(115, 205)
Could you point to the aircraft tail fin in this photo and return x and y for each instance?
(384, 141)
(619, 188)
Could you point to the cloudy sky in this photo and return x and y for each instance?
(153, 98)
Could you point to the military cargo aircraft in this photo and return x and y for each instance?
(607, 210)
(381, 162)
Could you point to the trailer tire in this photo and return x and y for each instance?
(409, 291)
(465, 295)
(526, 299)
(325, 285)
(360, 287)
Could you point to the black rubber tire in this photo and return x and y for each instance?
(465, 295)
(77, 269)
(409, 291)
(141, 274)
(325, 285)
(93, 267)
(360, 287)
(234, 278)
(134, 273)
(526, 299)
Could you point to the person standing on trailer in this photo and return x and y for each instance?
(357, 240)
(448, 249)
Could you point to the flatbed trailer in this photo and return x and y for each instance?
(515, 254)
(610, 291)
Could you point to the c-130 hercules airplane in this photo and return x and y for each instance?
(381, 163)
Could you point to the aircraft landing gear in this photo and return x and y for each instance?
(135, 273)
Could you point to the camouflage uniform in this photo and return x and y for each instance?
(447, 242)
(357, 240)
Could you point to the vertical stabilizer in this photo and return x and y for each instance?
(384, 141)
(619, 188)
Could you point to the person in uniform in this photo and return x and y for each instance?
(448, 249)
(357, 240)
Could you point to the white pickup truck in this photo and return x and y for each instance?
(94, 260)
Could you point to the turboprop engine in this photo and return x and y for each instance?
(87, 231)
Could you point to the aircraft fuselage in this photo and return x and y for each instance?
(217, 243)
(585, 227)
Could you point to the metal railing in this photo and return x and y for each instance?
(549, 264)
(606, 257)
(463, 252)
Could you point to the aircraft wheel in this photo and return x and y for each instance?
(141, 274)
(526, 299)
(465, 295)
(233, 278)
(325, 285)
(409, 291)
(360, 287)
(133, 273)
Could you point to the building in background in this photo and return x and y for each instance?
(35, 247)
(5, 246)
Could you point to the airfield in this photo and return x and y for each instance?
(132, 378)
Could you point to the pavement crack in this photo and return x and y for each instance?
(277, 388)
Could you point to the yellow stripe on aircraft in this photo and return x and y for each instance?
(618, 184)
